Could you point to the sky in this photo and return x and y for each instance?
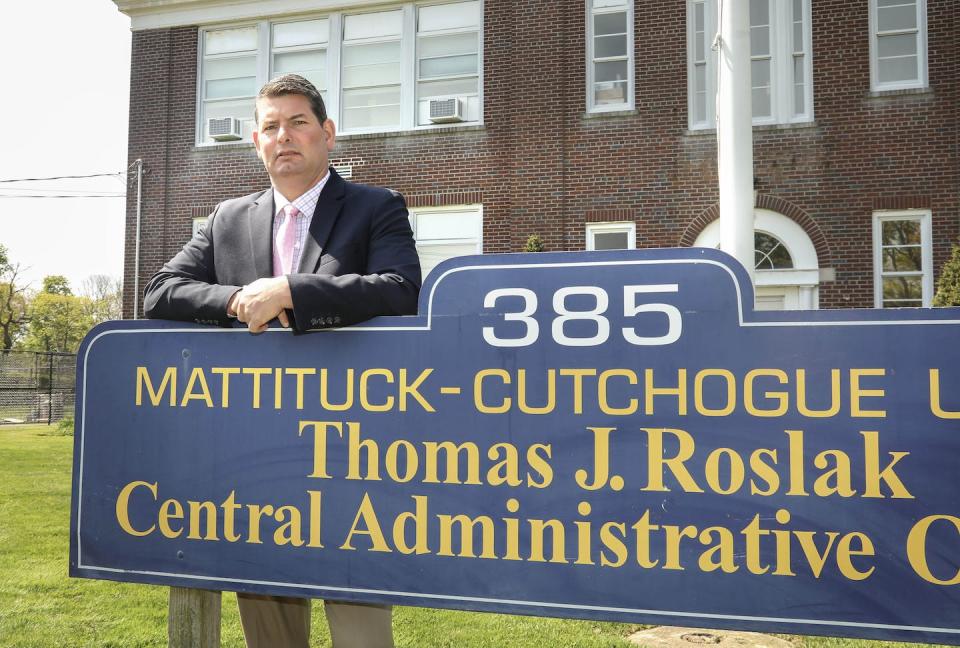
(65, 77)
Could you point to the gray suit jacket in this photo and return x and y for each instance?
(359, 260)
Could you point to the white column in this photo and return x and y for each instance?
(735, 132)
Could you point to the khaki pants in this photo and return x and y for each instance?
(284, 622)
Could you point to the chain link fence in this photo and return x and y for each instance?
(36, 387)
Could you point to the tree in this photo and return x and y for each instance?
(948, 286)
(58, 319)
(106, 297)
(13, 301)
(56, 285)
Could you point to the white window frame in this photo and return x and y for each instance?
(631, 74)
(404, 81)
(710, 63)
(611, 228)
(782, 53)
(416, 212)
(334, 47)
(922, 81)
(925, 218)
(802, 281)
(262, 72)
(199, 222)
(324, 47)
(416, 61)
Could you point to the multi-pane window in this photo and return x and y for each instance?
(448, 58)
(301, 48)
(898, 44)
(611, 236)
(610, 55)
(769, 253)
(788, 271)
(403, 67)
(442, 233)
(780, 65)
(801, 60)
(761, 59)
(903, 264)
(371, 71)
(229, 77)
(700, 63)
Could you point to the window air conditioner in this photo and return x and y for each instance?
(224, 129)
(445, 111)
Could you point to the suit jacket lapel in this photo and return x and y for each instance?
(261, 234)
(329, 206)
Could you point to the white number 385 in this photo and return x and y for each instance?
(599, 302)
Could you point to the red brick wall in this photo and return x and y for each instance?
(540, 165)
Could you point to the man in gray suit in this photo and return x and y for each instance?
(313, 251)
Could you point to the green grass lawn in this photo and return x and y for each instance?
(40, 607)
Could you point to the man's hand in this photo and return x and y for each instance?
(261, 301)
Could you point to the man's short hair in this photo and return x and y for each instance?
(293, 84)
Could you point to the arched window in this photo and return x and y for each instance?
(787, 271)
(769, 253)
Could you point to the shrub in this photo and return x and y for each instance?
(65, 426)
(948, 286)
(534, 244)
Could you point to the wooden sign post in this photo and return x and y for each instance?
(194, 618)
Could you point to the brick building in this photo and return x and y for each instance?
(586, 122)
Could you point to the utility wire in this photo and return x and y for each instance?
(55, 190)
(63, 196)
(66, 177)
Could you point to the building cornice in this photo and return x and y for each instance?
(159, 14)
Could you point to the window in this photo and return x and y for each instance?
(611, 236)
(377, 71)
(229, 77)
(769, 253)
(609, 55)
(301, 48)
(780, 62)
(701, 66)
(902, 259)
(446, 232)
(448, 58)
(198, 224)
(371, 71)
(898, 44)
(787, 273)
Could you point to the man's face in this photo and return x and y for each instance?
(292, 143)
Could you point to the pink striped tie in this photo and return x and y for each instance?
(286, 238)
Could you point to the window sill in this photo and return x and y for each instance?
(902, 92)
(603, 114)
(466, 128)
(757, 128)
(246, 144)
(222, 146)
(791, 126)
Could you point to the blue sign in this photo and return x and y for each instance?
(598, 435)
